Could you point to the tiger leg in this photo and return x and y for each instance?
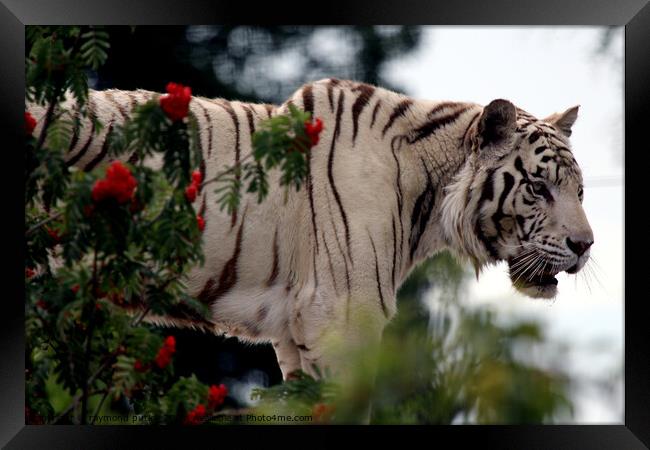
(335, 337)
(288, 356)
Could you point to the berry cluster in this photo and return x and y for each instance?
(164, 356)
(194, 187)
(216, 396)
(176, 103)
(196, 416)
(313, 130)
(118, 184)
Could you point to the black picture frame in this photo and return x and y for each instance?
(634, 15)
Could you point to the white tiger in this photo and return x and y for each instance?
(392, 181)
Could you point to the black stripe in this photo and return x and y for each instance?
(522, 226)
(519, 165)
(330, 91)
(430, 127)
(394, 253)
(235, 119)
(75, 129)
(508, 184)
(398, 194)
(374, 113)
(487, 243)
(132, 101)
(315, 274)
(487, 194)
(308, 105)
(360, 103)
(471, 123)
(540, 149)
(539, 172)
(111, 98)
(381, 295)
(440, 106)
(338, 243)
(275, 268)
(96, 160)
(310, 192)
(208, 123)
(399, 111)
(421, 214)
(330, 173)
(202, 171)
(487, 191)
(329, 260)
(249, 116)
(534, 136)
(91, 115)
(214, 289)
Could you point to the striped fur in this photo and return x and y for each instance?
(392, 181)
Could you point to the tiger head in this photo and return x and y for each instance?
(518, 198)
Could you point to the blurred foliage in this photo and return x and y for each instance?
(451, 365)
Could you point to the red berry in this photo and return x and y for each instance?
(216, 395)
(170, 343)
(139, 367)
(197, 178)
(313, 130)
(190, 193)
(53, 234)
(30, 124)
(118, 184)
(176, 103)
(200, 222)
(196, 416)
(163, 358)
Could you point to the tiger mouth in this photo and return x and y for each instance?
(541, 280)
(532, 281)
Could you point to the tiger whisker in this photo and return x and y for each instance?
(537, 269)
(523, 261)
(586, 280)
(527, 267)
(593, 273)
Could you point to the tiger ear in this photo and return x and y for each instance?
(564, 121)
(497, 123)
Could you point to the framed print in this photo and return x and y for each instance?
(393, 218)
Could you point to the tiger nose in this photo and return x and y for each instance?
(578, 247)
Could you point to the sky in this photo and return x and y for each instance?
(545, 70)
